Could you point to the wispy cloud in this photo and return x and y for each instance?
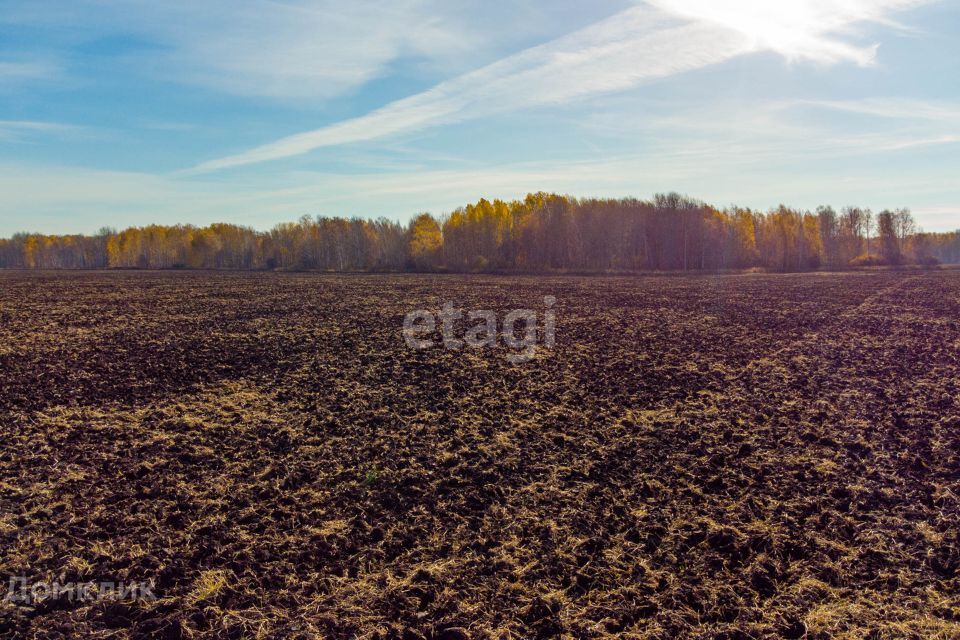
(287, 50)
(15, 129)
(895, 108)
(31, 125)
(796, 29)
(881, 122)
(801, 166)
(618, 53)
(660, 39)
(301, 48)
(14, 72)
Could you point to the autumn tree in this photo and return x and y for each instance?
(543, 232)
(425, 241)
(889, 243)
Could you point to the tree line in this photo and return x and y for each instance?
(541, 233)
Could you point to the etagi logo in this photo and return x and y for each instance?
(483, 333)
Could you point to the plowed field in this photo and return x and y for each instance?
(752, 456)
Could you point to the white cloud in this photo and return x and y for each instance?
(289, 49)
(618, 53)
(694, 151)
(304, 49)
(636, 45)
(796, 29)
(786, 126)
(15, 72)
(895, 108)
(17, 129)
(31, 125)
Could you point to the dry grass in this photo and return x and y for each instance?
(704, 457)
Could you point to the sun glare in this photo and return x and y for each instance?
(797, 29)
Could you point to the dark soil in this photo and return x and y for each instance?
(735, 457)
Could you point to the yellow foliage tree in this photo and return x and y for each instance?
(426, 240)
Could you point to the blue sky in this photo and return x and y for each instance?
(119, 113)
